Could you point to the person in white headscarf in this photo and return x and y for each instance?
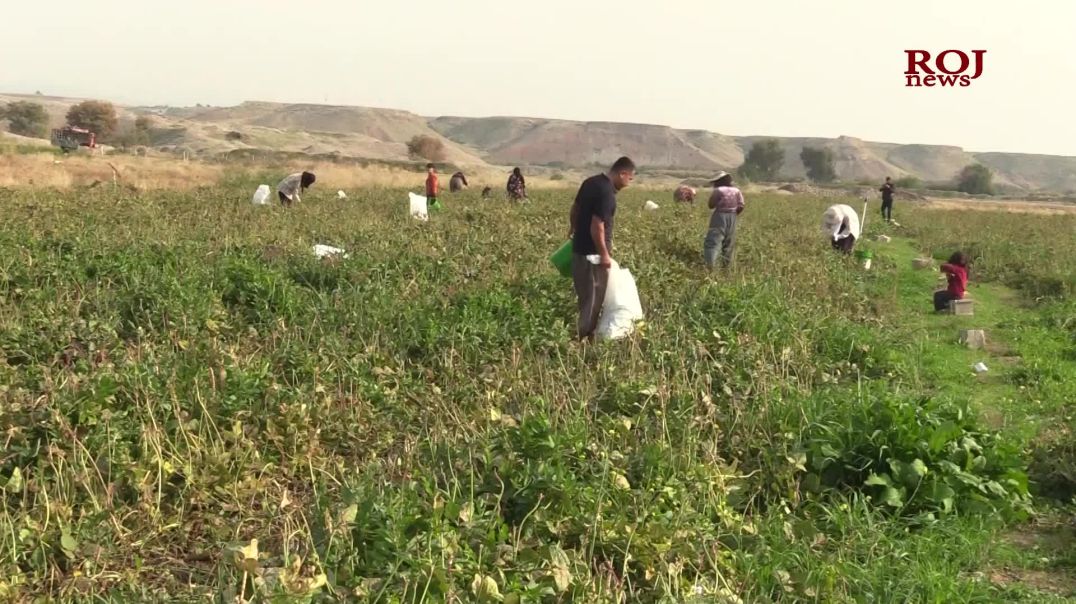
(841, 224)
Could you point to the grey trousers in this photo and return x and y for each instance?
(590, 282)
(721, 238)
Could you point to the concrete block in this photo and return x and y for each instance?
(961, 307)
(922, 263)
(974, 339)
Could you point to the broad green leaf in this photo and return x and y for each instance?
(68, 544)
(919, 468)
(878, 480)
(893, 497)
(485, 589)
(14, 483)
(942, 435)
(558, 557)
(348, 514)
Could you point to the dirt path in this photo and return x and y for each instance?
(1033, 557)
(1001, 205)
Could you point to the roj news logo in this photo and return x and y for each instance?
(948, 68)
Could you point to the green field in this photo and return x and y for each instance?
(194, 408)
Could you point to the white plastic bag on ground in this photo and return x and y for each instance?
(322, 251)
(341, 195)
(621, 308)
(650, 205)
(419, 209)
(261, 196)
(835, 217)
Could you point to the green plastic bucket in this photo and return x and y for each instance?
(562, 259)
(864, 254)
(436, 205)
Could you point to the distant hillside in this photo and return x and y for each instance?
(578, 144)
(355, 131)
(505, 140)
(382, 134)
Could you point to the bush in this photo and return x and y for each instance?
(426, 147)
(922, 458)
(908, 182)
(1054, 469)
(98, 117)
(137, 135)
(26, 118)
(764, 160)
(976, 179)
(819, 164)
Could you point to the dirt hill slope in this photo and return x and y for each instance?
(507, 141)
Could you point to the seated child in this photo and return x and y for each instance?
(956, 271)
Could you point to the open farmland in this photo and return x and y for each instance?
(195, 408)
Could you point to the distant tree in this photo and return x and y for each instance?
(96, 116)
(908, 182)
(25, 118)
(426, 147)
(764, 160)
(819, 164)
(975, 179)
(138, 134)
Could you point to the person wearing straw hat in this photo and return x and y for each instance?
(727, 203)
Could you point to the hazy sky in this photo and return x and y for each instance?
(777, 67)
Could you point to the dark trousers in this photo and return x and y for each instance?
(845, 245)
(284, 201)
(942, 298)
(887, 210)
(590, 281)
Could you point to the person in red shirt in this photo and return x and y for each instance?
(432, 186)
(956, 271)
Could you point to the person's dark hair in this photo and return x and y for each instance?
(517, 171)
(624, 164)
(724, 181)
(307, 179)
(959, 259)
(428, 166)
(888, 178)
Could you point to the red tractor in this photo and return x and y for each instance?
(70, 138)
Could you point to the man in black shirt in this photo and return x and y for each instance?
(591, 232)
(887, 200)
